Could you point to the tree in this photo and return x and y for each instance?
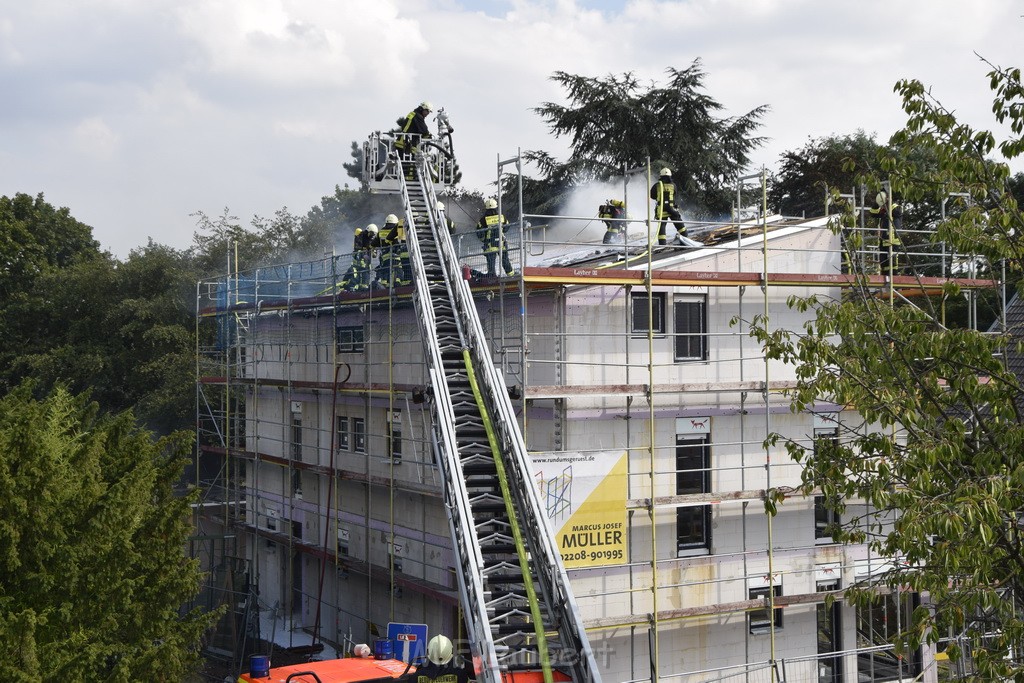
(92, 570)
(936, 451)
(616, 123)
(125, 331)
(354, 168)
(37, 242)
(841, 164)
(339, 213)
(36, 238)
(151, 335)
(806, 176)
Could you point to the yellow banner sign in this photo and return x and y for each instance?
(585, 497)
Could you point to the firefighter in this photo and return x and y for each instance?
(612, 212)
(666, 208)
(402, 263)
(883, 210)
(441, 666)
(445, 220)
(357, 277)
(387, 266)
(490, 230)
(413, 128)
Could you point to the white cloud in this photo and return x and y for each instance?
(304, 43)
(94, 138)
(9, 53)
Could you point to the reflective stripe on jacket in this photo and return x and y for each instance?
(489, 227)
(663, 193)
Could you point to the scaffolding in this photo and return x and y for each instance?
(631, 368)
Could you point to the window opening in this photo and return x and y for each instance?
(341, 432)
(761, 620)
(693, 475)
(641, 324)
(358, 435)
(350, 339)
(690, 325)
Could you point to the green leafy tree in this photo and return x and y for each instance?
(151, 328)
(834, 165)
(807, 176)
(338, 213)
(617, 123)
(122, 330)
(1015, 185)
(37, 238)
(937, 452)
(223, 240)
(92, 570)
(37, 242)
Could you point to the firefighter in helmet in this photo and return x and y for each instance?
(490, 230)
(612, 212)
(412, 129)
(388, 265)
(441, 666)
(357, 277)
(889, 216)
(666, 206)
(445, 218)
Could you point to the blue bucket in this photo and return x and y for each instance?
(383, 648)
(259, 666)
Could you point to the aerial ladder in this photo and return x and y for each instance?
(519, 608)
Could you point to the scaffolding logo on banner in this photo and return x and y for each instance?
(585, 498)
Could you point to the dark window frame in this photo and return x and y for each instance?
(875, 626)
(395, 437)
(693, 480)
(350, 338)
(824, 516)
(341, 432)
(760, 621)
(358, 435)
(690, 328)
(638, 306)
(296, 437)
(829, 627)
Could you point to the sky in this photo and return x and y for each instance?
(137, 114)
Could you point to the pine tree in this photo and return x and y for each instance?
(93, 571)
(616, 123)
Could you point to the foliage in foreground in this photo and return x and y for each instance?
(92, 567)
(937, 452)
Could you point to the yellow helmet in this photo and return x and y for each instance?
(440, 650)
(490, 203)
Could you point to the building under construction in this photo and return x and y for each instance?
(564, 469)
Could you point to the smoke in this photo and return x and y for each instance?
(581, 224)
